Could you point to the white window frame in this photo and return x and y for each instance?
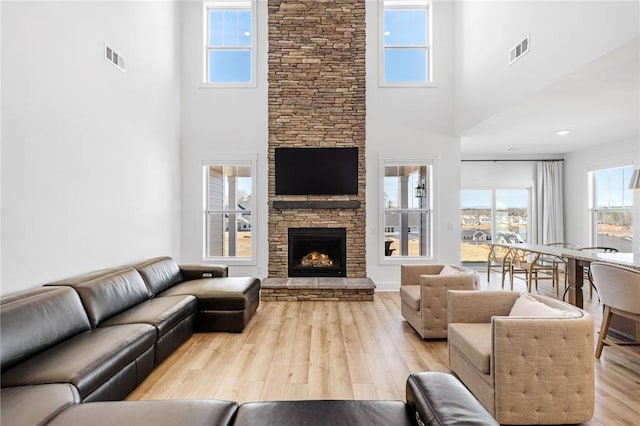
(229, 5)
(406, 4)
(593, 210)
(428, 209)
(247, 160)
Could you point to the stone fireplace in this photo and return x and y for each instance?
(316, 98)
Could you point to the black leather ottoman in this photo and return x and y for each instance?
(323, 413)
(224, 303)
(149, 413)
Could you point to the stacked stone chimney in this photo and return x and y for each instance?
(317, 99)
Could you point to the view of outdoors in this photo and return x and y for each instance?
(228, 211)
(482, 209)
(613, 209)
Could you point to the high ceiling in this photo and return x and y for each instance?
(599, 103)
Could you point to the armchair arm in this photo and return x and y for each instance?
(433, 300)
(196, 272)
(479, 306)
(410, 274)
(544, 363)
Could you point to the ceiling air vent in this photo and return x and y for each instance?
(520, 49)
(114, 57)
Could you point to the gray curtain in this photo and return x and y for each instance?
(549, 198)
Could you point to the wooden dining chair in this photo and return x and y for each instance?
(498, 260)
(619, 290)
(528, 264)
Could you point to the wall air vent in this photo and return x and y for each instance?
(114, 57)
(520, 49)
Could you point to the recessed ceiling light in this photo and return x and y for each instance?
(563, 132)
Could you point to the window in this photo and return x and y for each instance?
(406, 43)
(500, 215)
(229, 206)
(407, 209)
(230, 42)
(612, 208)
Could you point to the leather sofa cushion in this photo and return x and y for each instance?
(150, 413)
(111, 294)
(410, 294)
(32, 324)
(163, 313)
(159, 273)
(86, 360)
(440, 399)
(12, 297)
(474, 341)
(228, 293)
(324, 412)
(36, 405)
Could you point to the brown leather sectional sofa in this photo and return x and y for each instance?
(72, 349)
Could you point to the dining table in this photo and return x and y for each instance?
(577, 261)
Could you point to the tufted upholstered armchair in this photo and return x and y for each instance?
(523, 369)
(423, 293)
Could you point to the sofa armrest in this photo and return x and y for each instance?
(479, 306)
(543, 369)
(196, 272)
(435, 398)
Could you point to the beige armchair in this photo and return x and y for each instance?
(536, 368)
(423, 295)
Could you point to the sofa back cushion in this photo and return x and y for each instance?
(34, 323)
(159, 274)
(110, 294)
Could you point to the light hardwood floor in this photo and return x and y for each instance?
(346, 350)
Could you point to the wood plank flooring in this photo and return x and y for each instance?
(345, 350)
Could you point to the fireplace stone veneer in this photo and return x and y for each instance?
(316, 98)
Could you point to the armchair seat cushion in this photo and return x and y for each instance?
(87, 360)
(474, 341)
(410, 294)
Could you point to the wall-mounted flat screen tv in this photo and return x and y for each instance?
(316, 171)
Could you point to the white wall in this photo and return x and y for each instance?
(415, 123)
(576, 191)
(90, 154)
(564, 36)
(221, 123)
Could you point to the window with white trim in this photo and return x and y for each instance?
(230, 42)
(407, 211)
(405, 57)
(228, 213)
(612, 208)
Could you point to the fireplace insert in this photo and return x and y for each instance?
(317, 252)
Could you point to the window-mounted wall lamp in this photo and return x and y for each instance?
(634, 183)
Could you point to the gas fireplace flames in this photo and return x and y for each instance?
(316, 260)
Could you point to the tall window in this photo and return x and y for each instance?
(407, 209)
(229, 204)
(406, 42)
(488, 215)
(612, 208)
(230, 42)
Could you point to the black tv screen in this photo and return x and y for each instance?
(316, 171)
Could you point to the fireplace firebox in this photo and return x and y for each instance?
(317, 252)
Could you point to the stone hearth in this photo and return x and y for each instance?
(317, 288)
